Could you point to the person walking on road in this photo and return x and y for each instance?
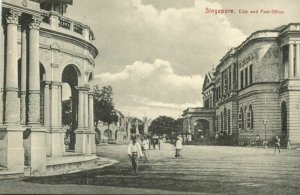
(178, 148)
(277, 144)
(134, 153)
(145, 145)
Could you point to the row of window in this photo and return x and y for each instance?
(226, 80)
(246, 77)
(224, 119)
(246, 118)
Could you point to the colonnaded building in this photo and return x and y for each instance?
(40, 50)
(254, 90)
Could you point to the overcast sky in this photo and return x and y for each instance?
(155, 53)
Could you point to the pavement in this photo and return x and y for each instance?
(202, 170)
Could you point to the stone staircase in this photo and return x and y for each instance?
(69, 163)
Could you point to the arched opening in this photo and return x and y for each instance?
(107, 134)
(250, 117)
(241, 118)
(201, 128)
(283, 119)
(69, 102)
(116, 134)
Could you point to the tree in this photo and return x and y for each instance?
(163, 125)
(67, 112)
(104, 106)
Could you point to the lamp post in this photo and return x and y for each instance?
(265, 143)
(265, 124)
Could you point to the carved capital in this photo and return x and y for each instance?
(82, 88)
(35, 22)
(91, 94)
(12, 17)
(55, 84)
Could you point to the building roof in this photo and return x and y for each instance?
(266, 33)
(70, 2)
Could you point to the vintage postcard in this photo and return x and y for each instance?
(150, 97)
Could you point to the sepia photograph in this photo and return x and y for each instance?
(150, 97)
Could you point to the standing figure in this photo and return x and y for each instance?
(277, 144)
(257, 140)
(134, 153)
(145, 146)
(178, 148)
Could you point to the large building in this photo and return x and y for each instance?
(254, 90)
(40, 50)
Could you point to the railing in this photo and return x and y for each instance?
(57, 22)
(63, 23)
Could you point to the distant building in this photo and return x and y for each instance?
(115, 131)
(254, 90)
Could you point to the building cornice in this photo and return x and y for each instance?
(71, 39)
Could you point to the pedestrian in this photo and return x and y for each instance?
(178, 148)
(216, 138)
(134, 153)
(189, 138)
(277, 144)
(257, 140)
(145, 145)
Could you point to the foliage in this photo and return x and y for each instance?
(104, 106)
(67, 112)
(163, 125)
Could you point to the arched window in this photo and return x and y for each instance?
(217, 121)
(221, 121)
(225, 119)
(283, 118)
(245, 118)
(250, 118)
(241, 118)
(228, 115)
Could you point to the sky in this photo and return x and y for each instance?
(155, 53)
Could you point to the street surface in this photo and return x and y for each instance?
(203, 170)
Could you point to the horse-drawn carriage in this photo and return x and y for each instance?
(154, 141)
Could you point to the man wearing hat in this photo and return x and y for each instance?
(134, 153)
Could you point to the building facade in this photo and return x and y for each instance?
(40, 50)
(255, 89)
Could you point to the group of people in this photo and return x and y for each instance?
(137, 149)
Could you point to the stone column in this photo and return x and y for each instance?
(291, 60)
(34, 73)
(86, 122)
(86, 109)
(91, 122)
(47, 104)
(56, 136)
(2, 46)
(47, 116)
(60, 105)
(297, 60)
(11, 88)
(80, 146)
(37, 138)
(11, 143)
(23, 75)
